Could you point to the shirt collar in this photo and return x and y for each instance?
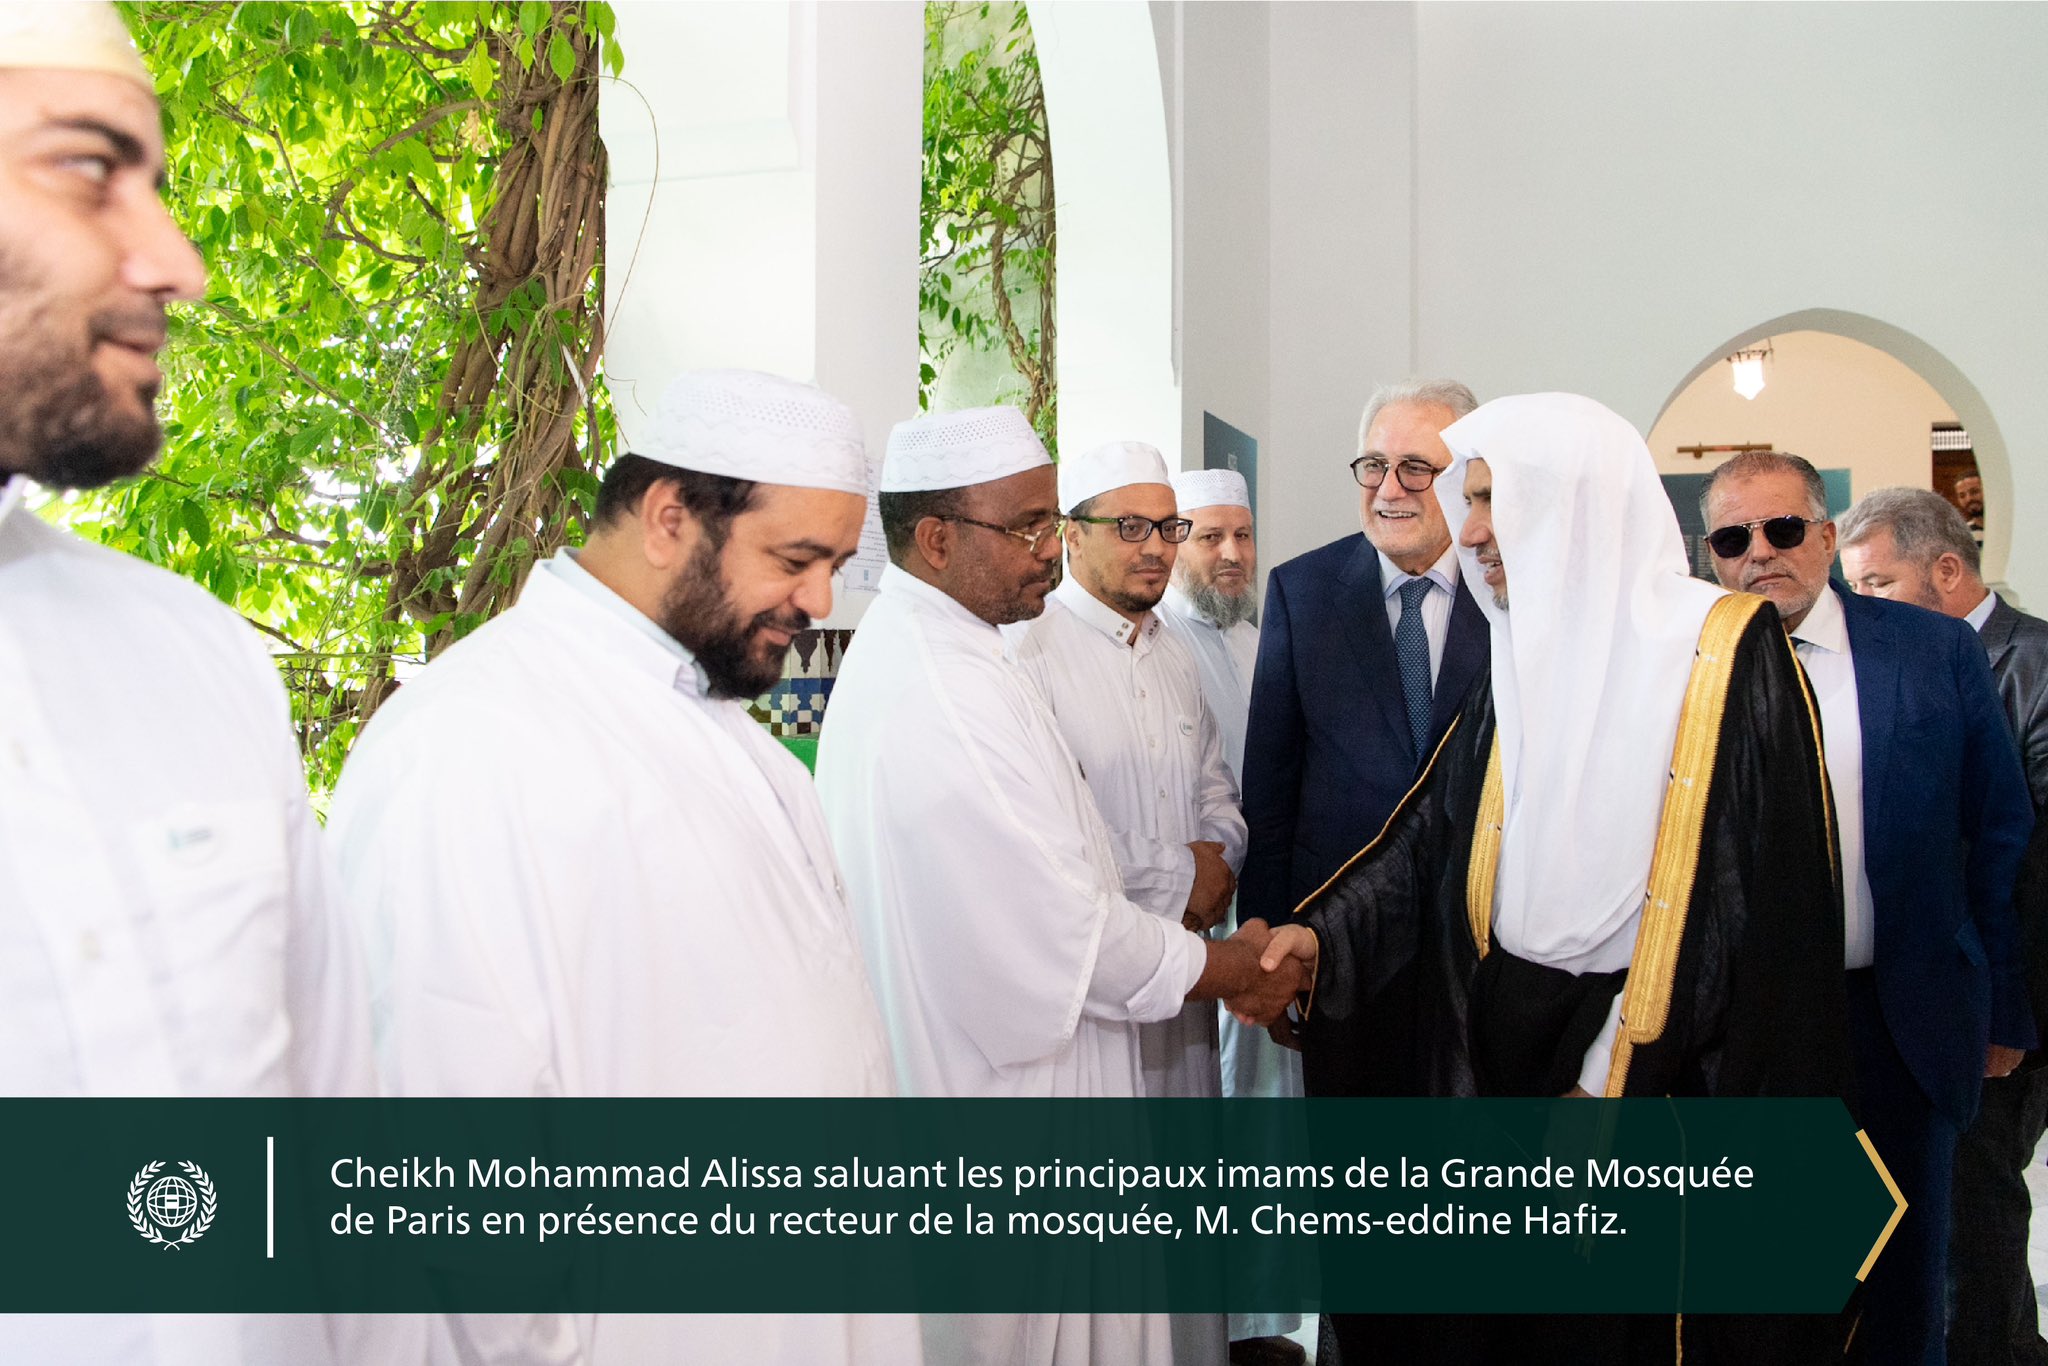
(1181, 605)
(12, 492)
(1092, 611)
(1825, 628)
(562, 566)
(1981, 613)
(1444, 573)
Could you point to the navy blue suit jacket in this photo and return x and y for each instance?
(1946, 815)
(1328, 753)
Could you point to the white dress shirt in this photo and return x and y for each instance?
(165, 923)
(558, 917)
(1436, 604)
(1981, 613)
(1127, 697)
(1822, 642)
(985, 887)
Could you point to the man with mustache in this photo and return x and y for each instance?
(582, 869)
(1128, 699)
(164, 929)
(1934, 815)
(1616, 875)
(985, 881)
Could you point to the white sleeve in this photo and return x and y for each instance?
(1222, 811)
(1144, 968)
(1600, 1057)
(1156, 875)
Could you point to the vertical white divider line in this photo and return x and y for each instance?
(270, 1197)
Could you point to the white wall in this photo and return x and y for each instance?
(1610, 195)
(1840, 403)
(763, 210)
(1113, 192)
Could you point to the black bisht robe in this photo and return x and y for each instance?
(1757, 1009)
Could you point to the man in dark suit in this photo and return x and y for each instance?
(1366, 648)
(1932, 816)
(1911, 545)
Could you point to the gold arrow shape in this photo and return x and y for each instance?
(1898, 1204)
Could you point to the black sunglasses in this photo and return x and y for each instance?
(1782, 532)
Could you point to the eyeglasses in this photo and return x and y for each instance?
(1032, 539)
(1415, 475)
(1731, 542)
(1172, 530)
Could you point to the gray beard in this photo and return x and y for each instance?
(1219, 609)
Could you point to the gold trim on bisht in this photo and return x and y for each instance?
(1653, 967)
(1646, 999)
(1485, 863)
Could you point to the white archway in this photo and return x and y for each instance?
(1113, 189)
(1955, 388)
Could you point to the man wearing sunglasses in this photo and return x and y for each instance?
(1933, 817)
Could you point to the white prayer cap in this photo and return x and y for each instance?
(747, 425)
(1211, 489)
(953, 450)
(69, 35)
(1107, 467)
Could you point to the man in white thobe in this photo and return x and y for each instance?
(583, 870)
(984, 880)
(164, 924)
(1128, 700)
(1209, 606)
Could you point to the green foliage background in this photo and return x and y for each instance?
(988, 268)
(338, 165)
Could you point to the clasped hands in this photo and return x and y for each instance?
(1283, 966)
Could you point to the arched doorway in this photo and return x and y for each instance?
(1908, 380)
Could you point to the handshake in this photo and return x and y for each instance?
(1265, 971)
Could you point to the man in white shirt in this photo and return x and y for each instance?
(167, 930)
(1933, 815)
(984, 880)
(583, 870)
(1128, 699)
(1209, 606)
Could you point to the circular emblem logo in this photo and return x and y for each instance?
(169, 1209)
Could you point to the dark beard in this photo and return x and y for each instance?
(700, 615)
(58, 424)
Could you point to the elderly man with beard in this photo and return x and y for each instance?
(991, 904)
(1617, 872)
(1209, 606)
(583, 869)
(164, 929)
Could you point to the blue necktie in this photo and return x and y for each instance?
(1411, 651)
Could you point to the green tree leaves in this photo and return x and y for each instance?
(370, 417)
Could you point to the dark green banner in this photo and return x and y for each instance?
(787, 1205)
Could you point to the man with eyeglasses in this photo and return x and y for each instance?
(1933, 815)
(986, 884)
(1617, 874)
(1366, 648)
(1127, 695)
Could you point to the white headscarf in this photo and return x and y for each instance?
(1589, 665)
